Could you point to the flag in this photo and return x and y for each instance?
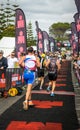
(77, 2)
(73, 28)
(20, 32)
(77, 21)
(52, 44)
(40, 45)
(46, 41)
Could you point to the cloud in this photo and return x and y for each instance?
(47, 12)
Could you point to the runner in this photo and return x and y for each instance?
(41, 70)
(52, 65)
(29, 62)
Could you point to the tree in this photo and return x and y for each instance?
(2, 19)
(10, 12)
(7, 17)
(58, 29)
(30, 39)
(9, 31)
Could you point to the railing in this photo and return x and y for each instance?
(12, 78)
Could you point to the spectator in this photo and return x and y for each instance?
(3, 64)
(12, 61)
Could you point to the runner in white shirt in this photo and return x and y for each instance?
(29, 62)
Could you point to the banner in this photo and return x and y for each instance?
(77, 2)
(20, 32)
(74, 48)
(46, 41)
(74, 32)
(77, 22)
(70, 39)
(40, 45)
(74, 38)
(52, 44)
(73, 28)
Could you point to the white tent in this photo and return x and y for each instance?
(7, 44)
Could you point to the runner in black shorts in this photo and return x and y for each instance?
(52, 64)
(41, 70)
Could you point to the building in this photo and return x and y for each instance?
(7, 44)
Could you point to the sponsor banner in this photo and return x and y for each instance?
(70, 39)
(77, 2)
(74, 48)
(77, 21)
(74, 43)
(20, 31)
(46, 41)
(73, 28)
(40, 45)
(52, 44)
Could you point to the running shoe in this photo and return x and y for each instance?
(48, 89)
(51, 94)
(25, 105)
(40, 88)
(31, 103)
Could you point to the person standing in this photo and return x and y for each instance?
(52, 65)
(29, 63)
(3, 64)
(12, 61)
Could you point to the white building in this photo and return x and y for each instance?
(7, 44)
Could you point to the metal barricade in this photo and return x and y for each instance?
(12, 78)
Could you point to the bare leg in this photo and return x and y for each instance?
(42, 81)
(53, 85)
(28, 97)
(50, 84)
(28, 92)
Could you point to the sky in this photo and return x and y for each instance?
(46, 12)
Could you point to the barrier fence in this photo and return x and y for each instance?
(13, 77)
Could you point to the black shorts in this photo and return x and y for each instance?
(40, 72)
(52, 76)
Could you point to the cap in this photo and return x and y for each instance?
(43, 55)
(1, 52)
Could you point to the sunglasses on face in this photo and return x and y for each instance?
(12, 54)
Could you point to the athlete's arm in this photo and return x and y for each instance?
(58, 64)
(47, 62)
(37, 62)
(21, 61)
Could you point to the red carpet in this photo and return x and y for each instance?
(49, 113)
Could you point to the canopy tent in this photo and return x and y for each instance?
(7, 44)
